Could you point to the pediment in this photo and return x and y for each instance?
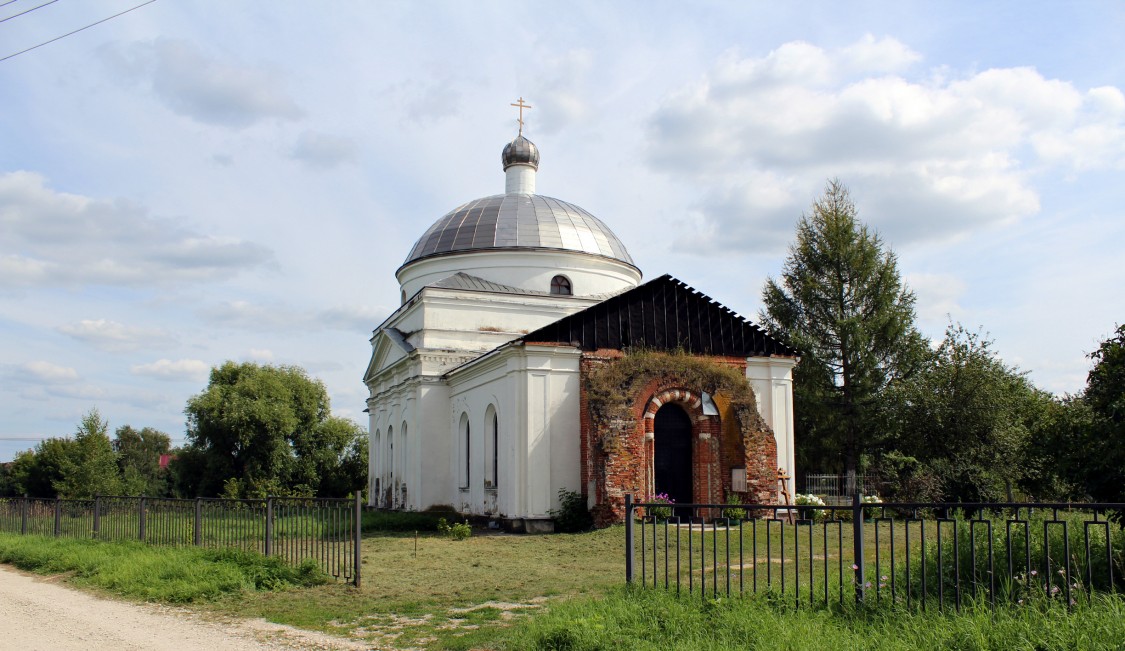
(388, 347)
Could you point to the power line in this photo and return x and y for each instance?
(77, 30)
(50, 2)
(5, 4)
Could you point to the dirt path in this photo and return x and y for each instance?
(39, 613)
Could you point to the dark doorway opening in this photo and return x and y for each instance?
(672, 455)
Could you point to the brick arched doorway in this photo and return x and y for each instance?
(672, 454)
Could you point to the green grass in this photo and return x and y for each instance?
(499, 591)
(138, 571)
(652, 619)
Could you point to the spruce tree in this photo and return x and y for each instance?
(841, 303)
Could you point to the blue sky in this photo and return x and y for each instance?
(197, 182)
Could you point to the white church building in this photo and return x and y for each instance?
(478, 381)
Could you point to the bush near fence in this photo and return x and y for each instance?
(323, 530)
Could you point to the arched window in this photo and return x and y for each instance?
(465, 446)
(492, 448)
(404, 459)
(495, 450)
(390, 456)
(560, 285)
(376, 485)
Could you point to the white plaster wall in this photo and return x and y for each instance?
(535, 392)
(772, 381)
(526, 269)
(434, 458)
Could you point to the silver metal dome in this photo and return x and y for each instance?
(519, 221)
(520, 150)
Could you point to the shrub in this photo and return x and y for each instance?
(733, 512)
(660, 512)
(399, 521)
(572, 514)
(456, 531)
(810, 500)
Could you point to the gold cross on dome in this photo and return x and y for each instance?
(522, 106)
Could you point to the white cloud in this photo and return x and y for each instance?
(166, 369)
(323, 150)
(59, 239)
(203, 88)
(275, 317)
(46, 372)
(561, 89)
(937, 297)
(263, 354)
(114, 336)
(929, 159)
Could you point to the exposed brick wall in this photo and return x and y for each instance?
(617, 458)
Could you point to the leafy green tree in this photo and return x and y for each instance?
(267, 427)
(841, 303)
(334, 458)
(961, 425)
(92, 467)
(35, 472)
(138, 457)
(1093, 453)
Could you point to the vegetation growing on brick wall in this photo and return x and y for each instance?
(612, 389)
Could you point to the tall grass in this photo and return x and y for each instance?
(139, 571)
(653, 619)
(1047, 557)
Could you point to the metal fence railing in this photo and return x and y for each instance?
(929, 555)
(834, 486)
(324, 530)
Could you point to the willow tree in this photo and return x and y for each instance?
(841, 303)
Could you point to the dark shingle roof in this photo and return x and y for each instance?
(662, 314)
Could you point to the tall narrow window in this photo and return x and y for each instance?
(404, 453)
(377, 459)
(465, 446)
(491, 447)
(560, 285)
(390, 469)
(495, 450)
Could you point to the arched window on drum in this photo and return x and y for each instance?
(560, 286)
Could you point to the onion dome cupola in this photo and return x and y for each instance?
(521, 162)
(520, 151)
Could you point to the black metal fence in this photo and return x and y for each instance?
(324, 530)
(929, 555)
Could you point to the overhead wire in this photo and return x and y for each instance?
(77, 30)
(5, 4)
(28, 11)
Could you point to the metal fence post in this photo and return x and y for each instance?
(198, 530)
(97, 516)
(58, 516)
(628, 537)
(269, 525)
(23, 517)
(857, 545)
(358, 543)
(141, 518)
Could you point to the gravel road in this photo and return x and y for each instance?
(39, 613)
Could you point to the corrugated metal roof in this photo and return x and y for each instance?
(462, 280)
(662, 314)
(518, 221)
